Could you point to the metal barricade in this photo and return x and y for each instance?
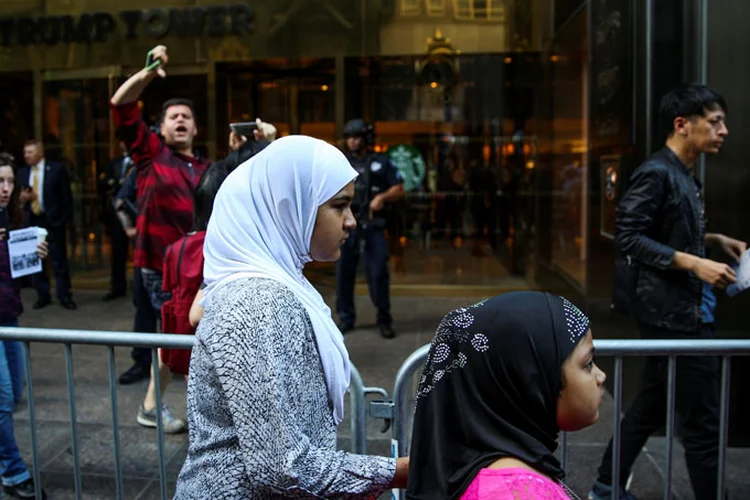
(358, 410)
(357, 391)
(402, 411)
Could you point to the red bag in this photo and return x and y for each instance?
(183, 275)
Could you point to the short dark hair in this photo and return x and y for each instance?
(688, 101)
(214, 176)
(205, 193)
(243, 153)
(176, 101)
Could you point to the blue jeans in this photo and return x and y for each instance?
(12, 468)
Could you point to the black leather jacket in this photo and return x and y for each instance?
(660, 214)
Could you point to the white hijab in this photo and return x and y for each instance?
(262, 224)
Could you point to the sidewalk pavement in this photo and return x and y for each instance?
(377, 359)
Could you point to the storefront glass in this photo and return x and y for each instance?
(569, 147)
(451, 87)
(77, 133)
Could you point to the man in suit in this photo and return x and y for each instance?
(48, 202)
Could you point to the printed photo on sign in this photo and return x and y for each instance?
(22, 245)
(21, 262)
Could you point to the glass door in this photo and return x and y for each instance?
(77, 130)
(296, 95)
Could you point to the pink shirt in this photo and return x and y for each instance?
(513, 484)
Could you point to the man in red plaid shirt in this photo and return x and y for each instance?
(168, 171)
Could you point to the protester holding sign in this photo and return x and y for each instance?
(15, 476)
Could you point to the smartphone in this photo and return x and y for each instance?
(151, 61)
(244, 129)
(4, 219)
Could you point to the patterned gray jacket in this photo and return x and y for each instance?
(260, 420)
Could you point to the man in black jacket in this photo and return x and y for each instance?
(665, 280)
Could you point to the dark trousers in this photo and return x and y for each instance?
(146, 319)
(697, 413)
(57, 238)
(378, 278)
(120, 247)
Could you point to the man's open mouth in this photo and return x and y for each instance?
(181, 129)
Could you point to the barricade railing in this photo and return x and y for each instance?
(401, 411)
(398, 411)
(357, 392)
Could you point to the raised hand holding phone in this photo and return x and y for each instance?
(156, 59)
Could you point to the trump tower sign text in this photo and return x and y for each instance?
(193, 22)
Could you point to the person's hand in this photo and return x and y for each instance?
(402, 474)
(26, 195)
(265, 131)
(376, 205)
(714, 273)
(42, 249)
(160, 53)
(3, 233)
(236, 141)
(733, 248)
(131, 232)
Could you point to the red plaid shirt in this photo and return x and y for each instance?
(166, 181)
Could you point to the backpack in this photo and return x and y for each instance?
(183, 275)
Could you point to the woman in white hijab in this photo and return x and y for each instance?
(269, 369)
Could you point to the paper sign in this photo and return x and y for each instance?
(743, 275)
(22, 245)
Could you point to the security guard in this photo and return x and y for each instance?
(378, 184)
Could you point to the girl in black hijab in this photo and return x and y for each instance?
(501, 380)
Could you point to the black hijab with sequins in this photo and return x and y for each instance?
(489, 390)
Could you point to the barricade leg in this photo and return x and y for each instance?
(723, 426)
(671, 379)
(159, 423)
(32, 421)
(73, 419)
(115, 419)
(616, 424)
(357, 413)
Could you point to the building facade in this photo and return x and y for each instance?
(456, 79)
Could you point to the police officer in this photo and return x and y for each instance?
(379, 183)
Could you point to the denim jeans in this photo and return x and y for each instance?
(12, 468)
(153, 282)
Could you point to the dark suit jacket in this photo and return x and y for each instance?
(57, 198)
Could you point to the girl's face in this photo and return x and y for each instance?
(583, 388)
(332, 225)
(7, 182)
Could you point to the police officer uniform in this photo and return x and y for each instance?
(377, 174)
